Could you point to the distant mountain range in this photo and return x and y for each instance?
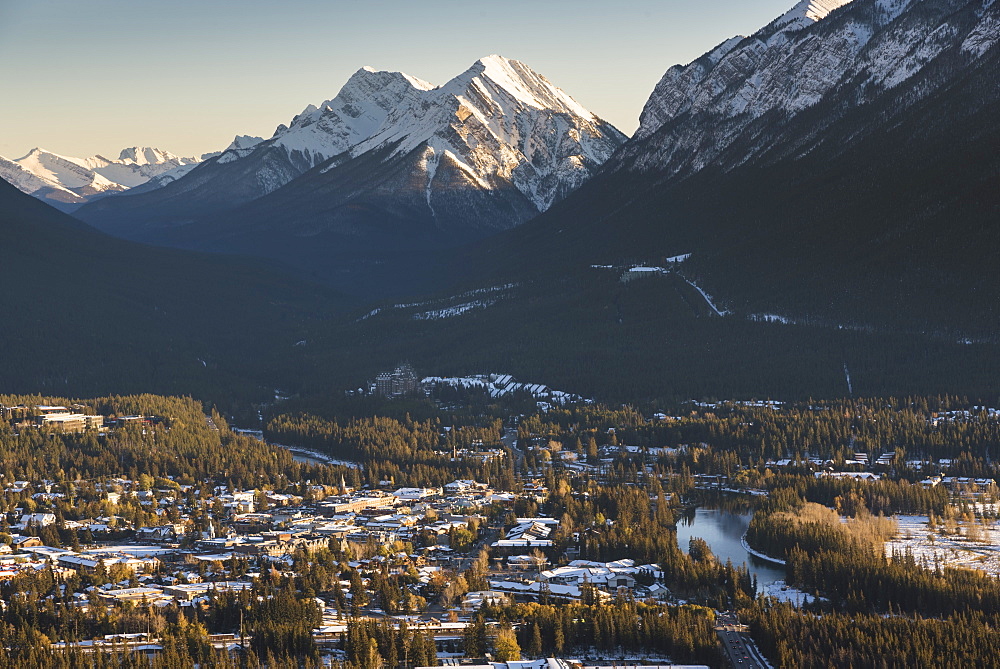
(390, 165)
(65, 182)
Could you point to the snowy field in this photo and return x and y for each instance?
(975, 545)
(786, 593)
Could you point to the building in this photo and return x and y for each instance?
(190, 591)
(89, 563)
(473, 601)
(36, 520)
(70, 422)
(337, 507)
(401, 381)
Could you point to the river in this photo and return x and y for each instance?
(302, 455)
(723, 530)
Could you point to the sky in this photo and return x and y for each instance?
(86, 78)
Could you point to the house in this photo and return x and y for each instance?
(190, 591)
(539, 591)
(526, 562)
(20, 541)
(337, 506)
(134, 595)
(463, 485)
(473, 601)
(529, 532)
(604, 575)
(36, 520)
(413, 494)
(161, 532)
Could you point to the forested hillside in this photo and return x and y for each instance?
(87, 313)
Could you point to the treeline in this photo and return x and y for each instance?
(720, 438)
(40, 610)
(786, 522)
(407, 451)
(182, 447)
(846, 563)
(685, 634)
(796, 639)
(881, 497)
(371, 644)
(859, 582)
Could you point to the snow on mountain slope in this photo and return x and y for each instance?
(358, 111)
(86, 177)
(241, 142)
(730, 105)
(70, 173)
(497, 120)
(807, 12)
(32, 184)
(501, 122)
(498, 133)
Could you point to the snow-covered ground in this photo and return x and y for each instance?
(762, 556)
(499, 385)
(708, 298)
(771, 318)
(445, 307)
(449, 312)
(948, 550)
(786, 593)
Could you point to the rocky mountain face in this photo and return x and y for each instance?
(390, 164)
(64, 181)
(736, 104)
(840, 167)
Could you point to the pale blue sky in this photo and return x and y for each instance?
(80, 78)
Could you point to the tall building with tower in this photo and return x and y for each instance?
(401, 381)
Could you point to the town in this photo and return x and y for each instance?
(147, 527)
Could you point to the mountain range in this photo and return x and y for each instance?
(391, 165)
(66, 182)
(820, 196)
(838, 167)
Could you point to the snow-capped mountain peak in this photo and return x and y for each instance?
(357, 111)
(808, 12)
(147, 155)
(241, 142)
(502, 82)
(497, 119)
(486, 151)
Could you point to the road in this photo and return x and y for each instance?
(509, 439)
(739, 647)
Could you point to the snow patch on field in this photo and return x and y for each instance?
(975, 546)
(786, 593)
